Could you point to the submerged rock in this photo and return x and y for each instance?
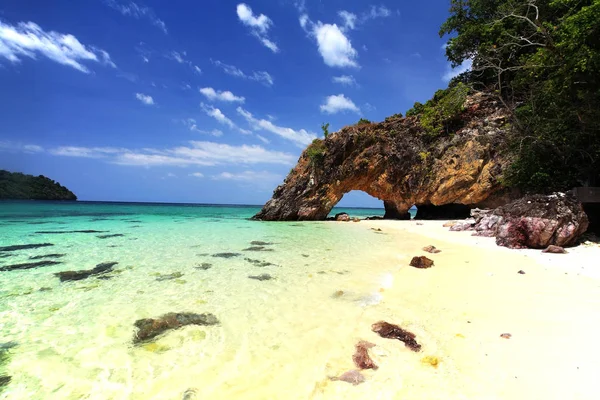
(204, 266)
(391, 331)
(226, 255)
(554, 250)
(149, 328)
(110, 236)
(259, 263)
(260, 243)
(169, 277)
(29, 265)
(68, 232)
(84, 274)
(258, 248)
(421, 262)
(262, 277)
(25, 246)
(354, 377)
(361, 357)
(431, 249)
(4, 380)
(47, 256)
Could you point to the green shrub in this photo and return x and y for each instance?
(363, 121)
(439, 113)
(316, 152)
(325, 129)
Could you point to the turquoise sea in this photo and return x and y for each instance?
(74, 339)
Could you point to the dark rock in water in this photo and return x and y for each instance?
(391, 331)
(305, 255)
(260, 243)
(105, 278)
(110, 236)
(554, 250)
(226, 255)
(421, 262)
(45, 289)
(431, 249)
(262, 277)
(25, 246)
(65, 232)
(47, 256)
(354, 377)
(169, 277)
(29, 265)
(4, 380)
(361, 357)
(521, 272)
(149, 328)
(8, 345)
(258, 248)
(538, 221)
(84, 274)
(343, 217)
(258, 263)
(204, 266)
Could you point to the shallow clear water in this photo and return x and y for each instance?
(277, 338)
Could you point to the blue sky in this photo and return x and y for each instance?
(206, 101)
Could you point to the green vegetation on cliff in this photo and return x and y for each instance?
(27, 187)
(542, 57)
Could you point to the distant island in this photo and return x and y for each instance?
(18, 186)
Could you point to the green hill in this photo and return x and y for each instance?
(17, 186)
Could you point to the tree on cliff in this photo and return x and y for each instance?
(27, 187)
(543, 58)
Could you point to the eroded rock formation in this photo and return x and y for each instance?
(401, 163)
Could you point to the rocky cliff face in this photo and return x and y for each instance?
(402, 164)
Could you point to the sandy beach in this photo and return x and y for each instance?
(460, 308)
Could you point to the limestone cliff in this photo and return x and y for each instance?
(401, 163)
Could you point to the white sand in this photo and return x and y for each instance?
(473, 294)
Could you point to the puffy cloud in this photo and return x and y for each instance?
(349, 19)
(213, 95)
(248, 176)
(335, 48)
(377, 12)
(300, 137)
(347, 80)
(454, 72)
(147, 100)
(259, 25)
(339, 103)
(218, 115)
(134, 10)
(197, 174)
(258, 76)
(28, 39)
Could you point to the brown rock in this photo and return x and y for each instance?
(554, 250)
(354, 377)
(149, 328)
(391, 331)
(431, 249)
(361, 357)
(506, 336)
(421, 262)
(449, 224)
(342, 217)
(538, 221)
(397, 162)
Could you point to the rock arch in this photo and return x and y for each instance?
(400, 164)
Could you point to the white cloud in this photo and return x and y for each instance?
(248, 176)
(177, 56)
(197, 69)
(137, 11)
(147, 100)
(258, 24)
(347, 80)
(339, 103)
(263, 139)
(260, 76)
(349, 19)
(300, 137)
(85, 152)
(213, 95)
(197, 174)
(181, 58)
(218, 115)
(19, 147)
(377, 12)
(335, 48)
(28, 39)
(454, 72)
(192, 126)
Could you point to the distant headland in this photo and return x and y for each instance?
(18, 186)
